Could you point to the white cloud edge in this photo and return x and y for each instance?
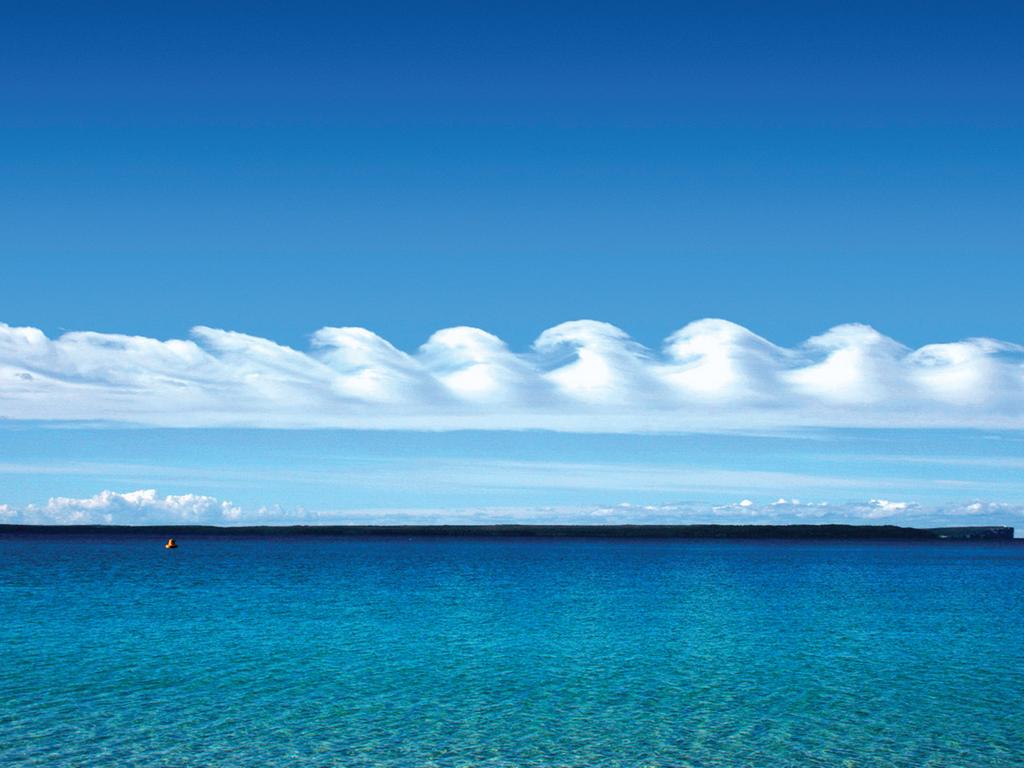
(581, 376)
(148, 507)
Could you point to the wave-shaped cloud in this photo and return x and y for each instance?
(578, 376)
(147, 507)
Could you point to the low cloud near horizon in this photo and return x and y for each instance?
(148, 507)
(580, 376)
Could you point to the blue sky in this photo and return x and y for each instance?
(274, 170)
(335, 470)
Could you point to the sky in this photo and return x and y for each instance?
(689, 255)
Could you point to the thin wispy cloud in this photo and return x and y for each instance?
(474, 473)
(581, 376)
(939, 461)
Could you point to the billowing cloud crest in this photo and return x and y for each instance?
(578, 376)
(147, 507)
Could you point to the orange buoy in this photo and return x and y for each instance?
(171, 544)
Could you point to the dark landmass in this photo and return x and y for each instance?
(809, 532)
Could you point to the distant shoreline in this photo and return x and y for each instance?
(787, 532)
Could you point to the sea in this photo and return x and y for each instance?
(283, 650)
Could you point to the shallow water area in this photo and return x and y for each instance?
(280, 650)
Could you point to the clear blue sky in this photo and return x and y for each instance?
(275, 168)
(531, 476)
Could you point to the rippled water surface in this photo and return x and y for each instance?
(278, 651)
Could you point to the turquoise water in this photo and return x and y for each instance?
(235, 651)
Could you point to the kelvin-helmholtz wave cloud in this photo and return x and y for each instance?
(578, 376)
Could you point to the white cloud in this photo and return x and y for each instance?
(147, 507)
(871, 512)
(578, 376)
(132, 508)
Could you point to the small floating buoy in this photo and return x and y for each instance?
(171, 544)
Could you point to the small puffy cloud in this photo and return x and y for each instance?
(147, 507)
(789, 511)
(584, 376)
(133, 508)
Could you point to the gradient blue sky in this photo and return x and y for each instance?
(274, 168)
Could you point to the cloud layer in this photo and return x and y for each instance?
(147, 507)
(133, 508)
(578, 376)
